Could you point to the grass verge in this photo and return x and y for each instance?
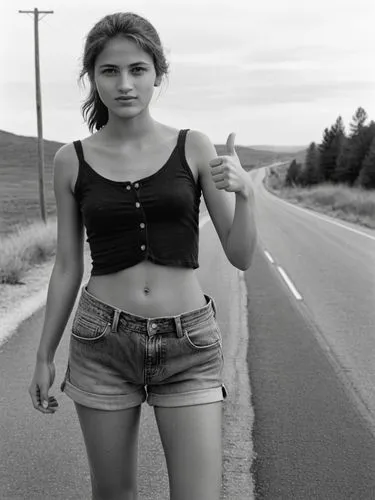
(26, 247)
(352, 204)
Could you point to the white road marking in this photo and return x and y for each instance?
(326, 219)
(285, 276)
(269, 257)
(289, 283)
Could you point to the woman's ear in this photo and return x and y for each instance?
(157, 81)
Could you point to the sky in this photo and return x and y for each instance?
(273, 71)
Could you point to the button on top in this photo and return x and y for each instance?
(143, 247)
(154, 325)
(128, 187)
(136, 185)
(137, 204)
(142, 224)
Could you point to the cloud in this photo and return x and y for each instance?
(257, 94)
(292, 53)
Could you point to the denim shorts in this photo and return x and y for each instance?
(117, 360)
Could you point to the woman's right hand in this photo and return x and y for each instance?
(44, 376)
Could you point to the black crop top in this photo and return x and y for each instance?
(155, 218)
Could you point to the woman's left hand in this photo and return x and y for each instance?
(228, 173)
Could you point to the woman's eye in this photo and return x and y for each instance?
(139, 69)
(109, 71)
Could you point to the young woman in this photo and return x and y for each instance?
(143, 321)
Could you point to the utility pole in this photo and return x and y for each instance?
(36, 13)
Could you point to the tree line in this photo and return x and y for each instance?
(340, 158)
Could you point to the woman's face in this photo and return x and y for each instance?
(123, 70)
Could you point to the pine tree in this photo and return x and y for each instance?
(357, 148)
(338, 145)
(359, 118)
(292, 174)
(330, 149)
(339, 126)
(343, 162)
(367, 174)
(324, 148)
(311, 171)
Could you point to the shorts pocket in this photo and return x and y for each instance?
(89, 327)
(203, 335)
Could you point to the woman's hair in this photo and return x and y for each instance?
(128, 25)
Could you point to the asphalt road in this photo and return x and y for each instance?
(332, 265)
(311, 355)
(42, 456)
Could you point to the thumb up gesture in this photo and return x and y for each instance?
(227, 172)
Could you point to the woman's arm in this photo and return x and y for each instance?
(66, 276)
(228, 195)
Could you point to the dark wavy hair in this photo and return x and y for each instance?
(128, 25)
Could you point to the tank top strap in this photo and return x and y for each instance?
(79, 151)
(181, 146)
(181, 151)
(181, 141)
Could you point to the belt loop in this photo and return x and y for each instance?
(116, 317)
(213, 305)
(177, 320)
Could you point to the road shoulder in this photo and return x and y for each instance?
(310, 440)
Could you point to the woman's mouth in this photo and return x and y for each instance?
(124, 99)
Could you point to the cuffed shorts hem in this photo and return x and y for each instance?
(190, 398)
(104, 401)
(112, 402)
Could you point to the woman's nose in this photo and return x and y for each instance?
(124, 82)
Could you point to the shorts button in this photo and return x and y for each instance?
(128, 187)
(142, 225)
(154, 325)
(136, 185)
(143, 247)
(137, 204)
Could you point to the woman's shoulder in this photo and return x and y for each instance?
(65, 153)
(197, 138)
(199, 146)
(66, 164)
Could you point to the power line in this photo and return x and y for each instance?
(36, 14)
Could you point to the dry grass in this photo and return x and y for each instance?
(26, 247)
(352, 204)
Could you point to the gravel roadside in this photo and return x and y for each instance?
(18, 302)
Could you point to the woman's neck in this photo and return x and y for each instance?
(134, 130)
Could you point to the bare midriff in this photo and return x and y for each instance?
(150, 290)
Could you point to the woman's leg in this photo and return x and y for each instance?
(191, 438)
(111, 439)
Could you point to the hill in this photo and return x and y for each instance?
(279, 149)
(19, 195)
(253, 158)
